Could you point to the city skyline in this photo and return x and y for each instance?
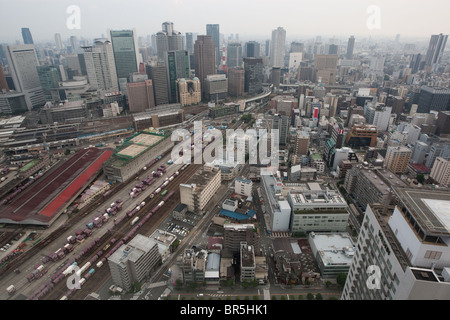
(360, 18)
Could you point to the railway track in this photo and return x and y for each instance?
(120, 232)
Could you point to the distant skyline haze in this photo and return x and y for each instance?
(249, 18)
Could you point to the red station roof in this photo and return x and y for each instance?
(50, 194)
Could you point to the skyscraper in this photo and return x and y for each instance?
(204, 58)
(22, 61)
(435, 49)
(49, 76)
(58, 42)
(252, 49)
(158, 75)
(167, 40)
(350, 47)
(124, 46)
(76, 48)
(140, 96)
(212, 30)
(100, 66)
(234, 55)
(254, 75)
(26, 35)
(178, 66)
(277, 47)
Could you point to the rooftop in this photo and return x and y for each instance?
(430, 208)
(334, 249)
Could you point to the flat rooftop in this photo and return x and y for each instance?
(139, 144)
(334, 249)
(430, 208)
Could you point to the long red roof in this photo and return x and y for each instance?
(49, 194)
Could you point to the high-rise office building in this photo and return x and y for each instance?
(168, 39)
(350, 48)
(26, 35)
(126, 53)
(22, 62)
(436, 49)
(234, 55)
(58, 42)
(277, 47)
(212, 30)
(140, 96)
(204, 58)
(236, 80)
(281, 123)
(433, 98)
(100, 66)
(158, 74)
(325, 68)
(437, 149)
(190, 42)
(401, 254)
(49, 76)
(178, 67)
(75, 45)
(442, 123)
(378, 114)
(254, 75)
(252, 49)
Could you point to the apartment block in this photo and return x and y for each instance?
(441, 171)
(397, 158)
(200, 188)
(402, 253)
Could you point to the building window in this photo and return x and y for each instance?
(435, 255)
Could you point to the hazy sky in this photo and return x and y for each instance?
(248, 18)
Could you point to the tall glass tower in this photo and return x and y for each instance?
(26, 35)
(212, 30)
(125, 52)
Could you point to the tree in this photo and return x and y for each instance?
(420, 178)
(319, 296)
(341, 279)
(310, 296)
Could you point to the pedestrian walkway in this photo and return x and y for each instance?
(280, 235)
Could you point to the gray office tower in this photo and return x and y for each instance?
(433, 98)
(22, 61)
(350, 47)
(204, 58)
(167, 39)
(254, 75)
(213, 31)
(125, 52)
(158, 75)
(435, 49)
(26, 35)
(234, 55)
(252, 49)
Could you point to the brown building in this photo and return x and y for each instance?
(397, 158)
(301, 144)
(362, 135)
(3, 83)
(325, 68)
(204, 59)
(140, 96)
(236, 82)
